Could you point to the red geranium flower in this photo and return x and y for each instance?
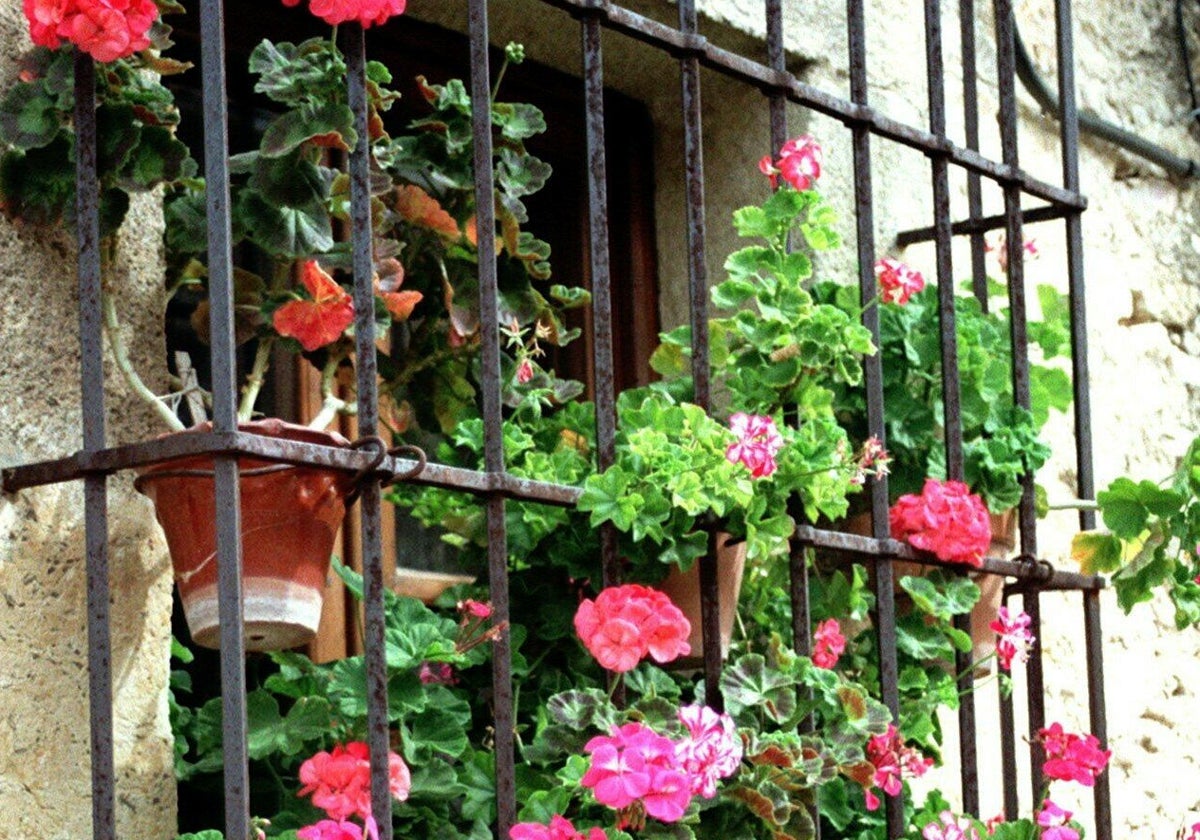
(897, 282)
(946, 519)
(627, 622)
(321, 320)
(366, 12)
(104, 29)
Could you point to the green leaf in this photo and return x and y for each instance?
(1123, 511)
(28, 118)
(750, 685)
(1096, 552)
(941, 595)
(268, 732)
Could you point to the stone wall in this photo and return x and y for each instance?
(45, 782)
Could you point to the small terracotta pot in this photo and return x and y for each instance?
(290, 517)
(683, 588)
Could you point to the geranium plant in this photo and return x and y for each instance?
(287, 196)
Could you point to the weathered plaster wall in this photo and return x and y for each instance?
(45, 783)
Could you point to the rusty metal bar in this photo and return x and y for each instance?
(489, 313)
(600, 276)
(95, 490)
(777, 59)
(1006, 59)
(966, 22)
(1008, 752)
(977, 226)
(370, 515)
(224, 387)
(1097, 718)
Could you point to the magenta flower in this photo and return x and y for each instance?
(331, 830)
(799, 164)
(617, 777)
(436, 673)
(1193, 832)
(897, 282)
(946, 519)
(366, 12)
(950, 827)
(1013, 637)
(892, 758)
(1071, 757)
(104, 29)
(828, 643)
(669, 795)
(758, 441)
(524, 372)
(560, 828)
(711, 751)
(1053, 821)
(625, 623)
(340, 781)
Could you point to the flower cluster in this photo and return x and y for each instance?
(638, 772)
(871, 459)
(1055, 822)
(828, 643)
(366, 12)
(1071, 757)
(627, 622)
(340, 784)
(897, 282)
(560, 828)
(758, 442)
(946, 519)
(950, 827)
(799, 164)
(892, 758)
(104, 29)
(1013, 637)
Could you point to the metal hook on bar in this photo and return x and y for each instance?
(417, 452)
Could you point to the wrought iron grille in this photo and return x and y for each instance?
(779, 89)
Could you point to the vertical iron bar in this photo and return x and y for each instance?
(228, 496)
(1085, 488)
(693, 153)
(885, 611)
(489, 313)
(935, 75)
(1094, 641)
(1006, 61)
(778, 61)
(966, 20)
(1008, 755)
(370, 515)
(95, 487)
(600, 275)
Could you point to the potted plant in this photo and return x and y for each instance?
(286, 198)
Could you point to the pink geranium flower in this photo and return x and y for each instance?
(366, 12)
(950, 827)
(1071, 757)
(897, 282)
(331, 830)
(946, 519)
(712, 749)
(758, 441)
(828, 643)
(625, 623)
(104, 29)
(892, 758)
(1193, 833)
(340, 781)
(799, 164)
(1013, 637)
(1053, 821)
(560, 828)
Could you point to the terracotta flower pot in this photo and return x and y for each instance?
(683, 588)
(290, 518)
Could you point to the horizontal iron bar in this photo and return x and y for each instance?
(106, 461)
(874, 549)
(771, 81)
(983, 224)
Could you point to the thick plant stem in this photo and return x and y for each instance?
(254, 381)
(120, 356)
(333, 405)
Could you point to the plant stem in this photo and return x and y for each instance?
(120, 354)
(1076, 504)
(333, 404)
(254, 380)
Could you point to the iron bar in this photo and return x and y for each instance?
(370, 516)
(600, 276)
(489, 313)
(980, 225)
(1097, 713)
(693, 157)
(1008, 753)
(966, 21)
(777, 59)
(223, 349)
(95, 491)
